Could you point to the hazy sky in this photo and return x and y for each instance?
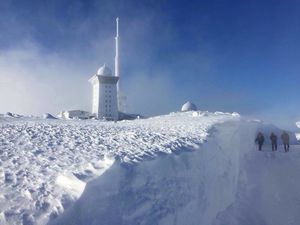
(223, 55)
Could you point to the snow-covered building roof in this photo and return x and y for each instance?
(48, 116)
(71, 114)
(104, 71)
(188, 106)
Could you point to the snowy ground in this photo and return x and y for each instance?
(45, 164)
(225, 181)
(268, 190)
(182, 168)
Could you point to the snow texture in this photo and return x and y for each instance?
(46, 163)
(184, 168)
(225, 181)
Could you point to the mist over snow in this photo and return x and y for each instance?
(34, 83)
(46, 62)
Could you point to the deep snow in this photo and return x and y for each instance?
(224, 181)
(45, 164)
(183, 168)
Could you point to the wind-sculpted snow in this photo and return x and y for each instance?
(227, 181)
(45, 164)
(189, 188)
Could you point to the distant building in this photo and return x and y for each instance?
(105, 99)
(48, 116)
(74, 114)
(188, 106)
(108, 99)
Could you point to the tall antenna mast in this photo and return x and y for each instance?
(121, 96)
(117, 53)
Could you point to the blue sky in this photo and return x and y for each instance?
(223, 55)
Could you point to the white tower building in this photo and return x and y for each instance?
(105, 100)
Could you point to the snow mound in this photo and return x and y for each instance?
(45, 164)
(71, 184)
(226, 181)
(184, 168)
(184, 187)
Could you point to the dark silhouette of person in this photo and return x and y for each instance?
(260, 140)
(273, 138)
(286, 141)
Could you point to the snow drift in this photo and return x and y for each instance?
(45, 164)
(223, 181)
(185, 188)
(183, 168)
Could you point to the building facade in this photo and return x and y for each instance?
(105, 98)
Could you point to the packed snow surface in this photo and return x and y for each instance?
(184, 168)
(45, 164)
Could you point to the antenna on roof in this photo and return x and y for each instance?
(117, 50)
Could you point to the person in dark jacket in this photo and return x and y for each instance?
(260, 140)
(286, 141)
(273, 138)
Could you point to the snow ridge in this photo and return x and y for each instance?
(225, 181)
(45, 163)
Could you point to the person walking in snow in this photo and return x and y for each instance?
(286, 141)
(273, 138)
(260, 139)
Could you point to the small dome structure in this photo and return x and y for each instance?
(104, 71)
(188, 106)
